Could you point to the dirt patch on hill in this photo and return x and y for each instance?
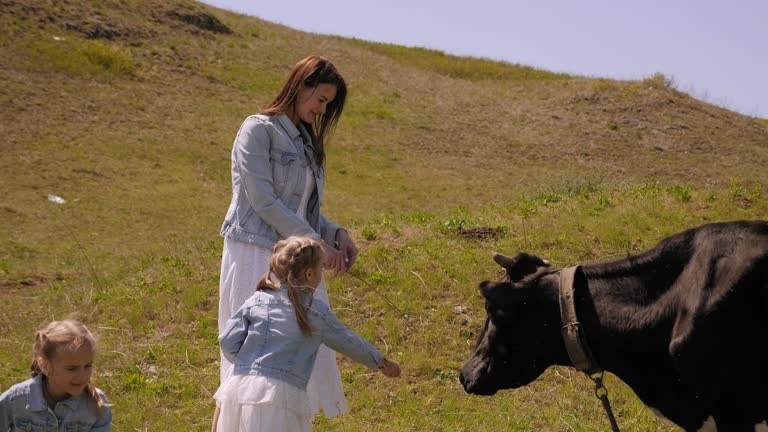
(95, 28)
(80, 17)
(198, 18)
(22, 285)
(481, 233)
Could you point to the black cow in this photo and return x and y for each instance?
(684, 324)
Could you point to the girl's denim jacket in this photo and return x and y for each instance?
(23, 408)
(263, 338)
(268, 179)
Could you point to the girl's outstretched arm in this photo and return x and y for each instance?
(340, 338)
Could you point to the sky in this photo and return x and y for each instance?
(715, 50)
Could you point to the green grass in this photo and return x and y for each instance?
(469, 68)
(79, 57)
(156, 316)
(135, 134)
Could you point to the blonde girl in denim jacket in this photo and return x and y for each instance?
(273, 340)
(278, 182)
(60, 395)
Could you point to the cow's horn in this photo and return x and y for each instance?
(504, 260)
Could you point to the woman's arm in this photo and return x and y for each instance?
(328, 229)
(252, 152)
(347, 247)
(340, 251)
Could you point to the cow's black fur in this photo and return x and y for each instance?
(684, 324)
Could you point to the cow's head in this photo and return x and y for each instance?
(521, 336)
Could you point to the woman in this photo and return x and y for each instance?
(278, 174)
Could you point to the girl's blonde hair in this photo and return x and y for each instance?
(67, 334)
(290, 259)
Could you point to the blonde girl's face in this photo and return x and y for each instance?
(313, 101)
(69, 372)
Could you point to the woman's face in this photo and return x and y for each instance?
(312, 102)
(69, 372)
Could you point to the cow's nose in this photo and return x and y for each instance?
(465, 382)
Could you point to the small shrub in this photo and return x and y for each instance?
(548, 198)
(743, 196)
(379, 278)
(659, 81)
(647, 190)
(419, 218)
(138, 383)
(527, 208)
(81, 57)
(110, 58)
(370, 233)
(454, 223)
(682, 193)
(603, 202)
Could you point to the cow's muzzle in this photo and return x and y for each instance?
(473, 382)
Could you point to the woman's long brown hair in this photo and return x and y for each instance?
(311, 72)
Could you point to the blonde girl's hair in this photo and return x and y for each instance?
(290, 259)
(311, 72)
(67, 334)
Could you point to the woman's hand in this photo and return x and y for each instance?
(333, 260)
(347, 247)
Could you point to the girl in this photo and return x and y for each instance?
(273, 340)
(278, 177)
(60, 395)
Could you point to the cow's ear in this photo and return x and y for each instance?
(486, 287)
(520, 266)
(504, 261)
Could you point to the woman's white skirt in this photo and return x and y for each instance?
(242, 265)
(254, 403)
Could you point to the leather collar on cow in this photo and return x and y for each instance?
(573, 336)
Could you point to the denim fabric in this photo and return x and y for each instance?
(264, 338)
(268, 177)
(23, 408)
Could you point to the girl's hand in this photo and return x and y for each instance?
(389, 368)
(347, 247)
(334, 259)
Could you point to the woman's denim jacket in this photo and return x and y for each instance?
(23, 408)
(264, 338)
(268, 179)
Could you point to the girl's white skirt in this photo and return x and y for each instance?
(242, 265)
(254, 403)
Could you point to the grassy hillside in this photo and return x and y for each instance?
(127, 110)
